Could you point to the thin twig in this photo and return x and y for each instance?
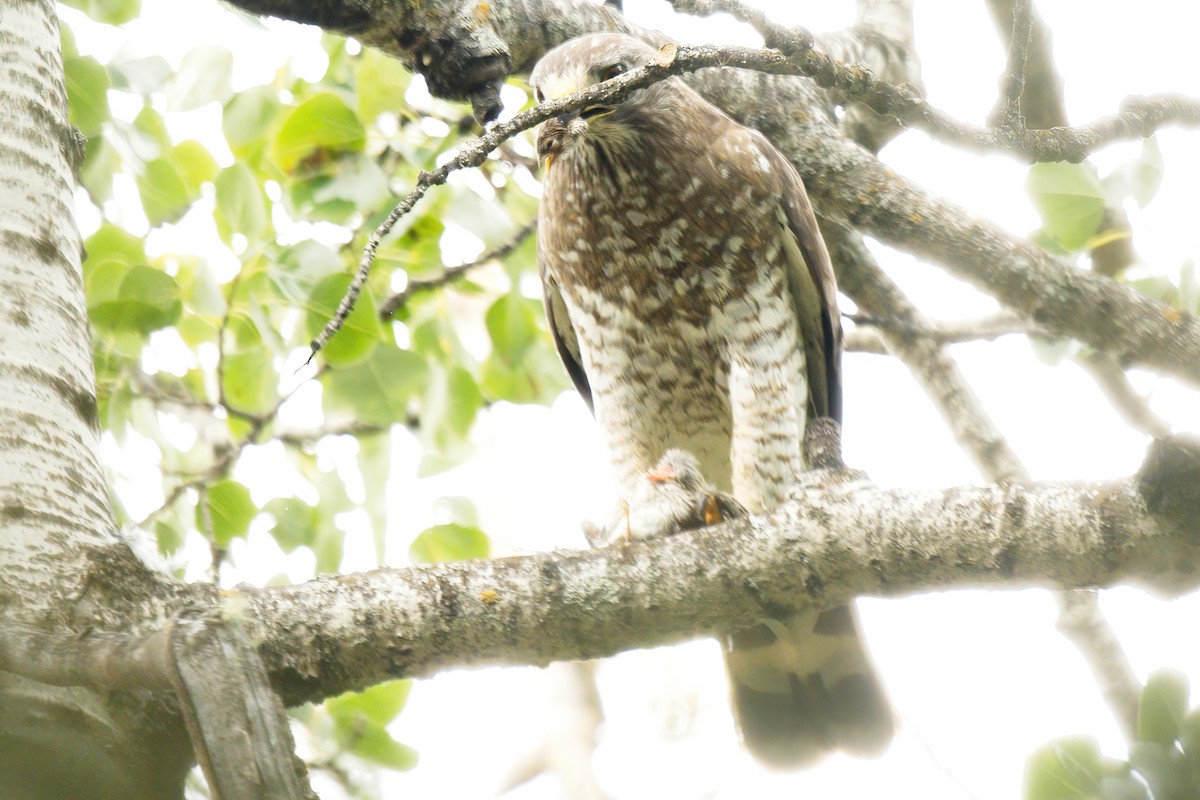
(1007, 113)
(866, 336)
(451, 274)
(302, 438)
(1115, 384)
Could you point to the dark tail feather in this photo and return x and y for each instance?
(805, 686)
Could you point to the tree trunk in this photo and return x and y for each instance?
(61, 564)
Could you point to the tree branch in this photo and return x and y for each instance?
(397, 301)
(867, 335)
(838, 537)
(1007, 113)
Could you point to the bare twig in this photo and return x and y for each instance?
(1115, 384)
(300, 438)
(1084, 624)
(451, 274)
(788, 40)
(866, 336)
(1007, 113)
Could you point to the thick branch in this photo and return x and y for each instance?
(839, 537)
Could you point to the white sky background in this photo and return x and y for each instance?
(979, 679)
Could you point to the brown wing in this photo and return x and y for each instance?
(564, 336)
(814, 290)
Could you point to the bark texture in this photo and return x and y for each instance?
(839, 537)
(56, 526)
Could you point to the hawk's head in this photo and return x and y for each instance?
(580, 63)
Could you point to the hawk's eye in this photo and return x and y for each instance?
(611, 71)
(537, 95)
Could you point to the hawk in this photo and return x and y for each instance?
(692, 301)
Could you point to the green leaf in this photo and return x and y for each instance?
(194, 164)
(87, 93)
(140, 75)
(359, 182)
(375, 744)
(1066, 769)
(169, 536)
(321, 127)
(485, 218)
(1124, 788)
(374, 463)
(112, 243)
(204, 76)
(378, 389)
(231, 511)
(381, 83)
(241, 203)
(300, 268)
(153, 127)
(522, 367)
(1139, 178)
(146, 298)
(1189, 739)
(165, 198)
(457, 509)
(463, 401)
(450, 542)
(512, 323)
(250, 381)
(1162, 707)
(112, 12)
(199, 288)
(1162, 767)
(450, 403)
(247, 119)
(1189, 288)
(100, 162)
(361, 332)
(379, 704)
(296, 522)
(1070, 199)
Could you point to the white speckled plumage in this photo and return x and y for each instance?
(693, 303)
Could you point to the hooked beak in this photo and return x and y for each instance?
(557, 131)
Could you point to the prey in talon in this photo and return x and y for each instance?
(673, 496)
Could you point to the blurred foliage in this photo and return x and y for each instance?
(1081, 213)
(198, 355)
(1163, 764)
(1071, 198)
